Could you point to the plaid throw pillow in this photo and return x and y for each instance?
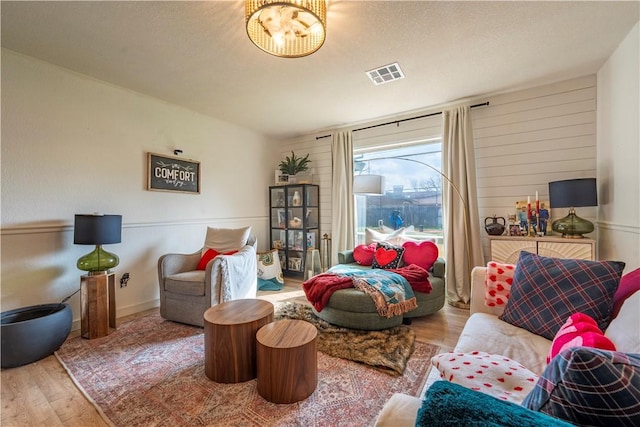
(587, 386)
(546, 291)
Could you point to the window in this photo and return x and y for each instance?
(412, 195)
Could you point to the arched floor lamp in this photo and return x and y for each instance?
(371, 184)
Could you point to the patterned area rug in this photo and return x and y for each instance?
(150, 372)
(387, 350)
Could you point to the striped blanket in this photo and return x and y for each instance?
(391, 293)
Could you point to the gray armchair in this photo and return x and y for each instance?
(186, 293)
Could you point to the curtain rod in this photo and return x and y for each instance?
(484, 104)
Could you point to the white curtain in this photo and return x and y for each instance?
(461, 219)
(342, 201)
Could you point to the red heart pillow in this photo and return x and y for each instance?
(580, 330)
(363, 254)
(387, 256)
(423, 254)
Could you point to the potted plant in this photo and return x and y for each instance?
(293, 165)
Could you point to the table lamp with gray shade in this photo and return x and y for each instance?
(97, 229)
(573, 193)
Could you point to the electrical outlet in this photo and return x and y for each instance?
(124, 279)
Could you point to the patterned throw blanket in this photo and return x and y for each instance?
(391, 292)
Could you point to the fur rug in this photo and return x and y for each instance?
(387, 350)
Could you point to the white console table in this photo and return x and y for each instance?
(507, 249)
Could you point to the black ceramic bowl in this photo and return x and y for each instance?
(32, 333)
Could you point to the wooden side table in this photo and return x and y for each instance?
(230, 338)
(98, 305)
(287, 361)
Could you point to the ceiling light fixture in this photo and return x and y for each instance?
(286, 28)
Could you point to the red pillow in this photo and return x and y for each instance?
(363, 254)
(629, 285)
(423, 254)
(580, 330)
(208, 256)
(387, 256)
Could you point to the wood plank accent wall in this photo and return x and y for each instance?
(527, 138)
(523, 140)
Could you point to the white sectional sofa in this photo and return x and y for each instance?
(484, 331)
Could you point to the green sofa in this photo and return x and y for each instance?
(351, 308)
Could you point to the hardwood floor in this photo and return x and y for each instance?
(42, 394)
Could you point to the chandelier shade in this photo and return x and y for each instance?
(288, 29)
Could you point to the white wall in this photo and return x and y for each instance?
(619, 153)
(523, 139)
(527, 138)
(72, 144)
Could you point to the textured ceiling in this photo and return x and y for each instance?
(197, 54)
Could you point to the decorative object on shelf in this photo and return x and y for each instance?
(172, 174)
(292, 165)
(573, 193)
(495, 228)
(295, 222)
(286, 28)
(296, 201)
(281, 179)
(532, 218)
(97, 229)
(326, 251)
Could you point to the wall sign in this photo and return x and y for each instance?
(172, 174)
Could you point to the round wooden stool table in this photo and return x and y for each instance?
(230, 338)
(287, 361)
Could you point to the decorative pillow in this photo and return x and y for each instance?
(629, 284)
(447, 404)
(387, 256)
(546, 291)
(208, 256)
(497, 283)
(492, 374)
(579, 330)
(373, 236)
(423, 254)
(587, 386)
(363, 254)
(226, 239)
(626, 338)
(269, 268)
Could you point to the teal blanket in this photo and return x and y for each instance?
(391, 293)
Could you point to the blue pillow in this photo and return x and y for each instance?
(587, 386)
(452, 405)
(546, 291)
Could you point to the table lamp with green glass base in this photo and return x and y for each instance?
(97, 229)
(573, 193)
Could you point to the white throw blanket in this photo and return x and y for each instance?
(238, 273)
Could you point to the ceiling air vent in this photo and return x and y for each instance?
(386, 74)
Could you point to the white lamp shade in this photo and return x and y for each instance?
(372, 185)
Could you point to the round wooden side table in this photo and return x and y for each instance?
(287, 360)
(230, 338)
